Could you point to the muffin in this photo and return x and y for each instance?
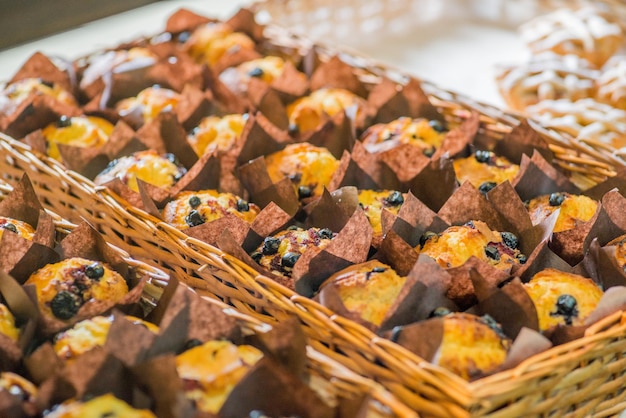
(209, 43)
(195, 208)
(215, 133)
(310, 168)
(574, 209)
(102, 64)
(101, 406)
(77, 131)
(267, 69)
(15, 93)
(305, 114)
(7, 324)
(19, 387)
(620, 251)
(159, 170)
(368, 289)
(547, 76)
(586, 32)
(562, 298)
(64, 287)
(611, 83)
(484, 170)
(424, 134)
(471, 346)
(374, 201)
(211, 371)
(280, 252)
(148, 103)
(454, 246)
(21, 228)
(584, 119)
(88, 334)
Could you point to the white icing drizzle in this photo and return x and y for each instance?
(611, 84)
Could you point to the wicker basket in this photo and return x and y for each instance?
(581, 378)
(333, 377)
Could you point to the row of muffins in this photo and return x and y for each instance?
(288, 176)
(83, 347)
(574, 78)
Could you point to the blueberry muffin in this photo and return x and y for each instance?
(64, 287)
(562, 298)
(15, 226)
(266, 69)
(310, 168)
(210, 42)
(191, 209)
(574, 209)
(368, 289)
(77, 131)
(211, 371)
(454, 246)
(484, 170)
(280, 252)
(101, 406)
(215, 133)
(148, 166)
(374, 201)
(148, 103)
(16, 93)
(427, 135)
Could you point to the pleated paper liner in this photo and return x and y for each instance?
(329, 376)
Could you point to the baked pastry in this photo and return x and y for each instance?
(471, 345)
(374, 201)
(586, 32)
(19, 387)
(305, 114)
(455, 245)
(280, 252)
(15, 93)
(119, 61)
(574, 209)
(268, 69)
(208, 43)
(484, 170)
(562, 298)
(101, 406)
(215, 133)
(88, 334)
(7, 323)
(62, 288)
(368, 289)
(585, 120)
(148, 103)
(16, 226)
(547, 76)
(77, 131)
(611, 84)
(195, 208)
(213, 369)
(424, 134)
(620, 250)
(158, 170)
(310, 168)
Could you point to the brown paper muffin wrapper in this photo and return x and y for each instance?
(35, 112)
(40, 66)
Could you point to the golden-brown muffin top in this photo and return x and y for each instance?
(620, 250)
(16, 226)
(101, 406)
(63, 287)
(454, 246)
(305, 114)
(280, 252)
(195, 208)
(562, 298)
(88, 334)
(215, 133)
(7, 323)
(368, 289)
(374, 201)
(574, 209)
(213, 369)
(77, 131)
(471, 346)
(427, 135)
(15, 93)
(17, 386)
(484, 170)
(208, 43)
(148, 103)
(267, 69)
(148, 166)
(310, 168)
